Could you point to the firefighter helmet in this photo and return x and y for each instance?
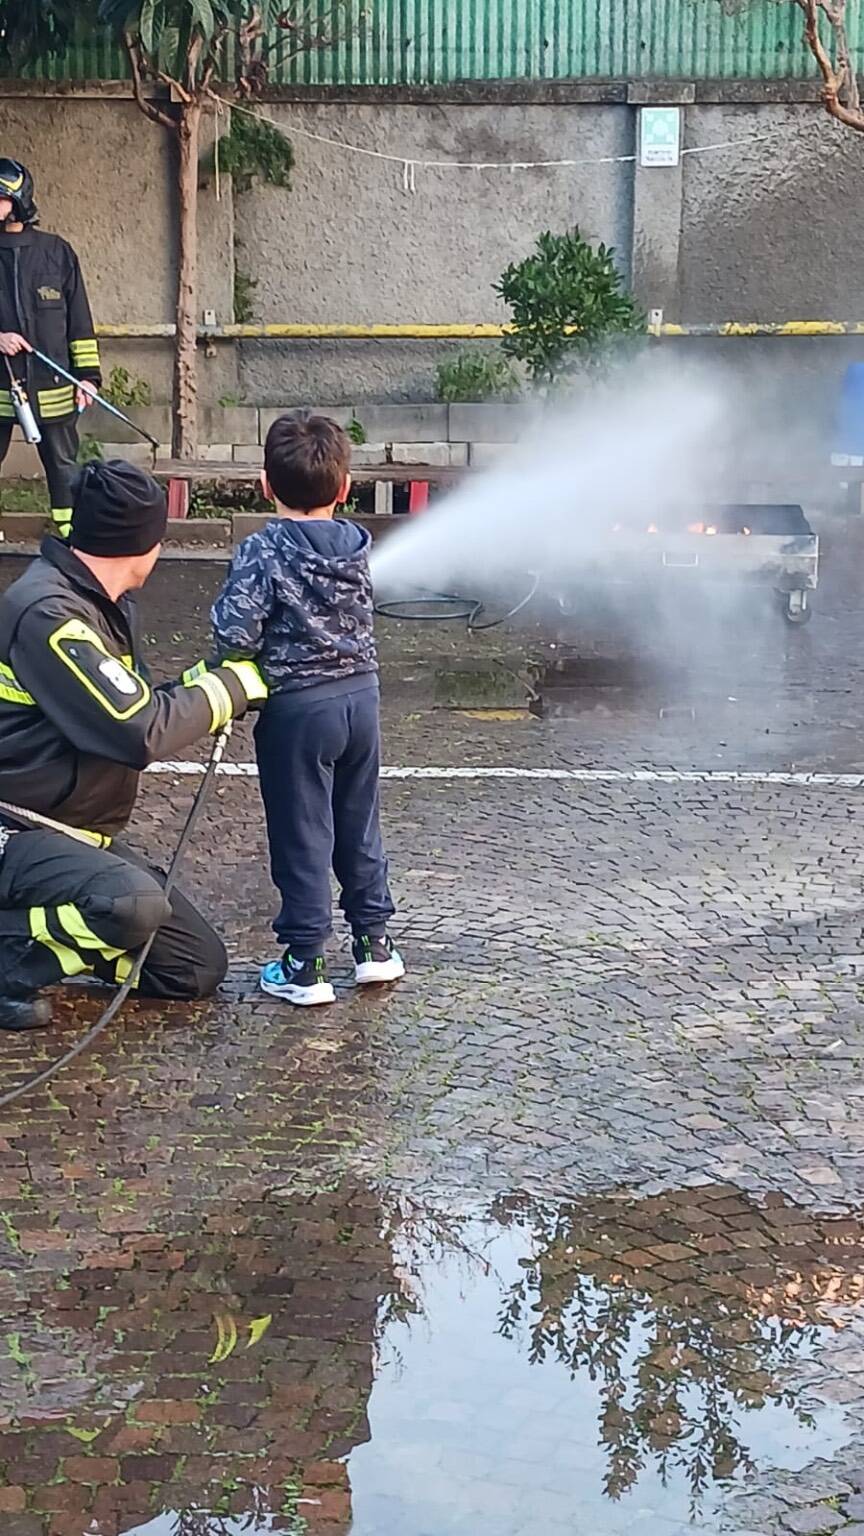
(16, 183)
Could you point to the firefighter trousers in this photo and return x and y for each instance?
(70, 910)
(58, 451)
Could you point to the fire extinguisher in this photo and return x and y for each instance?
(22, 408)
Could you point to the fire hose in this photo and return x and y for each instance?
(455, 607)
(119, 998)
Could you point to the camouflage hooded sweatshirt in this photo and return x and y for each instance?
(298, 598)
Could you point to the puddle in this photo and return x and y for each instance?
(536, 1366)
(467, 687)
(717, 705)
(323, 1366)
(576, 685)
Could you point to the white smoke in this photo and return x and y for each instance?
(642, 445)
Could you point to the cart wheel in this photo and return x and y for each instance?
(796, 608)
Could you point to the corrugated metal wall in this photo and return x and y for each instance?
(436, 41)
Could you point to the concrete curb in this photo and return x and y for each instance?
(22, 532)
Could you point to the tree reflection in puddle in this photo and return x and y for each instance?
(201, 1522)
(674, 1375)
(612, 1358)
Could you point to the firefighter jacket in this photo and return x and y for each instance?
(42, 296)
(79, 717)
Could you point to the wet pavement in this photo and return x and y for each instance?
(564, 1235)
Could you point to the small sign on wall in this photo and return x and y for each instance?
(659, 135)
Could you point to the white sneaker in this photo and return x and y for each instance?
(376, 960)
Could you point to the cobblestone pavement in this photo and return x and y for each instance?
(570, 1223)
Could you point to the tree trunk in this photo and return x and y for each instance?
(185, 428)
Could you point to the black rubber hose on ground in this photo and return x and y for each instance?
(131, 981)
(468, 608)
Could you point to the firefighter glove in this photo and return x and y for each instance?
(224, 704)
(249, 676)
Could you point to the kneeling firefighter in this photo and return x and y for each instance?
(79, 720)
(43, 304)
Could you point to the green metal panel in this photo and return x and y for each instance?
(437, 41)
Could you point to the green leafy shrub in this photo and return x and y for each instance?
(124, 391)
(251, 149)
(568, 306)
(244, 296)
(89, 450)
(476, 376)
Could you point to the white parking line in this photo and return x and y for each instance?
(569, 775)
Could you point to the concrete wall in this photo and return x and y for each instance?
(766, 231)
(348, 240)
(772, 230)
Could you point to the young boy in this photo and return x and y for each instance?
(299, 600)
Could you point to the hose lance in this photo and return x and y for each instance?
(22, 408)
(99, 399)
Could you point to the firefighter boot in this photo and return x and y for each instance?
(25, 968)
(17, 1013)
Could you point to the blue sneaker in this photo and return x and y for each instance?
(303, 982)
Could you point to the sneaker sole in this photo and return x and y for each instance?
(379, 970)
(301, 997)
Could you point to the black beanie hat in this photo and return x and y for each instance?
(117, 510)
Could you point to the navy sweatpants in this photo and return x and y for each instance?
(318, 758)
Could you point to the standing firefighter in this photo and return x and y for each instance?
(43, 304)
(79, 720)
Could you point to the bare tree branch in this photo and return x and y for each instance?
(306, 29)
(840, 86)
(149, 108)
(312, 30)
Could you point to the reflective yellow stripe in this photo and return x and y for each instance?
(74, 630)
(85, 348)
(98, 839)
(56, 402)
(14, 185)
(72, 922)
(49, 411)
(71, 963)
(221, 705)
(123, 968)
(14, 695)
(10, 688)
